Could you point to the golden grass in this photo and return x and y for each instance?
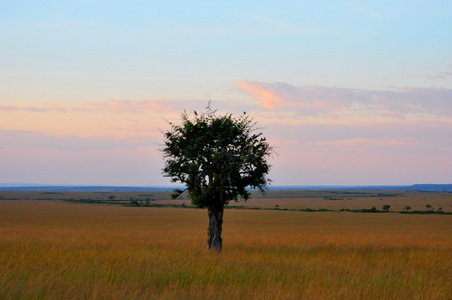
(71, 251)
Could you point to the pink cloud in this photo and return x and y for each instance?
(425, 136)
(28, 109)
(316, 101)
(37, 140)
(8, 108)
(268, 98)
(354, 142)
(44, 108)
(308, 100)
(112, 105)
(271, 96)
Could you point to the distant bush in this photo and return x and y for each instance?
(426, 212)
(386, 207)
(323, 209)
(332, 198)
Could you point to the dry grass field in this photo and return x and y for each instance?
(282, 199)
(337, 200)
(60, 250)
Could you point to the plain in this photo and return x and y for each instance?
(53, 249)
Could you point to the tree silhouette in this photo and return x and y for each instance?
(217, 157)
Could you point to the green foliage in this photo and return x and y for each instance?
(217, 157)
(386, 207)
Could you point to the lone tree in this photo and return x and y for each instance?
(217, 157)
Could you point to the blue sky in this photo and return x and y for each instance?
(350, 92)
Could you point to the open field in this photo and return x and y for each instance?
(334, 200)
(55, 249)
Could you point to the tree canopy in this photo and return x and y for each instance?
(217, 157)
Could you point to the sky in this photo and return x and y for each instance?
(348, 92)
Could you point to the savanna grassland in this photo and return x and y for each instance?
(65, 250)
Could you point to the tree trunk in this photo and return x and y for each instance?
(214, 240)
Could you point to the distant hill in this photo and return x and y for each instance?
(60, 188)
(431, 187)
(414, 187)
